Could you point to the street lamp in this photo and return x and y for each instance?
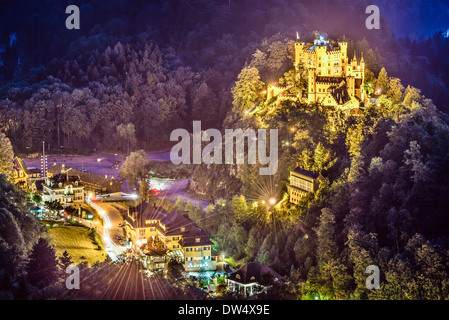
(272, 201)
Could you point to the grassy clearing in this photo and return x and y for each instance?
(77, 242)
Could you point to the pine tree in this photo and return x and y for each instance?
(6, 155)
(383, 81)
(239, 207)
(246, 89)
(65, 260)
(42, 266)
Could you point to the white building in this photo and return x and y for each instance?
(65, 189)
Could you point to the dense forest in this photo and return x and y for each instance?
(129, 68)
(127, 78)
(383, 203)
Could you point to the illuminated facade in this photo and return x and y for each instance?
(20, 175)
(64, 188)
(93, 183)
(146, 224)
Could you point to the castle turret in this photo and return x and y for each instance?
(354, 61)
(344, 56)
(311, 77)
(299, 53)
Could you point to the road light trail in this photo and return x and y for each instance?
(106, 227)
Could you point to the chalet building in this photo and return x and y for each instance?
(33, 173)
(252, 278)
(302, 182)
(93, 183)
(148, 224)
(64, 188)
(20, 176)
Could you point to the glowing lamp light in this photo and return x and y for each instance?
(272, 201)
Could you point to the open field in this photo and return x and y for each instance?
(76, 241)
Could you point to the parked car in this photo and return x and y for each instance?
(83, 170)
(119, 238)
(116, 164)
(120, 225)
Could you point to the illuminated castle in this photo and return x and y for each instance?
(332, 79)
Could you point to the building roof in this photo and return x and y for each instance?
(176, 223)
(18, 165)
(64, 179)
(253, 272)
(307, 173)
(33, 170)
(137, 216)
(341, 95)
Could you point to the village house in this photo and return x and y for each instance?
(20, 177)
(93, 183)
(179, 235)
(64, 188)
(302, 182)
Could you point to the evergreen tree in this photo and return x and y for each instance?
(65, 260)
(246, 90)
(383, 81)
(6, 155)
(42, 266)
(239, 207)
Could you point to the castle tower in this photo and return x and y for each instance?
(299, 56)
(311, 88)
(354, 62)
(344, 50)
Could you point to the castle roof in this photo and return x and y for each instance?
(340, 94)
(175, 223)
(328, 46)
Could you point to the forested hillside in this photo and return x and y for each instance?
(383, 201)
